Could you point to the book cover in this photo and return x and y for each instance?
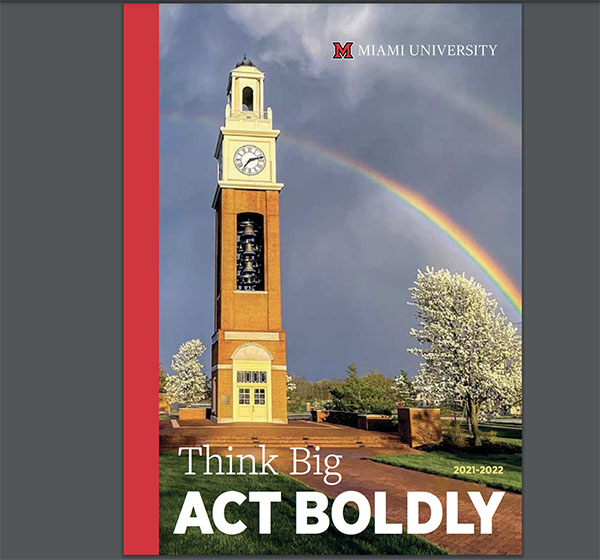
(322, 225)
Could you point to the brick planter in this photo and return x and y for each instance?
(186, 414)
(343, 417)
(377, 422)
(319, 415)
(420, 426)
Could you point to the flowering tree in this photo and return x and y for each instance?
(189, 384)
(471, 353)
(290, 385)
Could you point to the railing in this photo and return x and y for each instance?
(250, 115)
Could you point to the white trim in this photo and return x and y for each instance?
(221, 366)
(229, 366)
(250, 292)
(260, 133)
(247, 335)
(247, 185)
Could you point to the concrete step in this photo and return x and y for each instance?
(178, 440)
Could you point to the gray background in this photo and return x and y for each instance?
(61, 250)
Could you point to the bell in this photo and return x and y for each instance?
(248, 229)
(249, 249)
(248, 268)
(248, 278)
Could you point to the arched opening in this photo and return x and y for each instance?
(252, 351)
(250, 252)
(247, 99)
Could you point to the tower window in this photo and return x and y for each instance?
(250, 252)
(247, 99)
(251, 376)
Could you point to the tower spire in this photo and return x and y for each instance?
(245, 62)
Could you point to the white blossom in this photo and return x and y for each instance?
(290, 385)
(404, 390)
(471, 352)
(321, 404)
(189, 384)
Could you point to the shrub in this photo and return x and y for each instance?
(456, 435)
(490, 437)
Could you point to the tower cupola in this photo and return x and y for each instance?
(245, 92)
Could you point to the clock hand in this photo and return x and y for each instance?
(252, 159)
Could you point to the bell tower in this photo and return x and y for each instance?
(248, 346)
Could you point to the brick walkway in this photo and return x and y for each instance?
(175, 434)
(366, 476)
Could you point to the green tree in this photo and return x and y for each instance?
(314, 392)
(346, 397)
(372, 393)
(297, 399)
(162, 379)
(377, 394)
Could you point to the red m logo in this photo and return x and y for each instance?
(342, 52)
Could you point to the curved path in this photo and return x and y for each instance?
(366, 476)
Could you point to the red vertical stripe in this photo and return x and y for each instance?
(140, 278)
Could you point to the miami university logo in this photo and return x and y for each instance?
(342, 52)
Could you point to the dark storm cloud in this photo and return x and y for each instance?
(449, 128)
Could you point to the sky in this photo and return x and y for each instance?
(449, 128)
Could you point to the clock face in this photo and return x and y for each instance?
(250, 160)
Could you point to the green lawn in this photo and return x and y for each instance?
(283, 539)
(443, 462)
(512, 434)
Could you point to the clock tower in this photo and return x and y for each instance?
(248, 346)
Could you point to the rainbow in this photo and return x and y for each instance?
(476, 107)
(433, 214)
(484, 261)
